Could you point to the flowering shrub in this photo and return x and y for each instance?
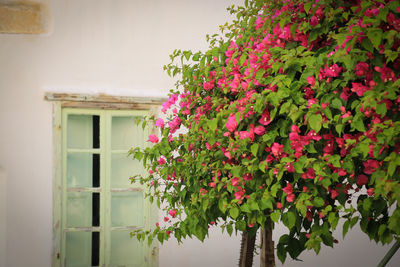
(293, 115)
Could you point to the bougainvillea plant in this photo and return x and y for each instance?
(292, 115)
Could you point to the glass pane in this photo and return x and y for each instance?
(78, 249)
(126, 209)
(126, 251)
(83, 170)
(80, 131)
(125, 133)
(83, 209)
(123, 167)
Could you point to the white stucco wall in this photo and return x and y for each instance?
(3, 217)
(115, 47)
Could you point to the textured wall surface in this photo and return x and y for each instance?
(115, 47)
(3, 217)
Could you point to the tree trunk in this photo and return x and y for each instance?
(267, 255)
(247, 249)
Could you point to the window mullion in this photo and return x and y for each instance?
(64, 188)
(105, 143)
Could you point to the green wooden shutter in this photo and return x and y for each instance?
(95, 145)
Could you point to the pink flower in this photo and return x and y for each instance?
(362, 180)
(248, 177)
(265, 118)
(311, 80)
(276, 149)
(279, 205)
(289, 167)
(208, 85)
(239, 194)
(153, 138)
(359, 88)
(161, 161)
(174, 124)
(334, 194)
(172, 213)
(290, 197)
(387, 74)
(370, 191)
(235, 181)
(309, 174)
(370, 166)
(160, 123)
(314, 21)
(166, 219)
(333, 71)
(259, 130)
(288, 189)
(362, 68)
(231, 124)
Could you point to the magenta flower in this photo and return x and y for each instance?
(290, 197)
(359, 88)
(172, 213)
(161, 161)
(387, 74)
(247, 177)
(153, 138)
(239, 194)
(277, 149)
(174, 124)
(160, 123)
(370, 166)
(231, 124)
(311, 80)
(259, 130)
(333, 71)
(288, 189)
(265, 118)
(362, 180)
(362, 68)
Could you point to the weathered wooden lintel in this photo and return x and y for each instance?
(104, 101)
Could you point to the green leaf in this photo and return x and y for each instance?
(359, 125)
(229, 229)
(234, 212)
(333, 220)
(381, 109)
(223, 204)
(307, 6)
(375, 36)
(336, 103)
(346, 226)
(275, 215)
(289, 219)
(254, 149)
(366, 43)
(315, 122)
(318, 202)
(212, 124)
(281, 253)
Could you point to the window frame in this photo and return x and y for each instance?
(100, 102)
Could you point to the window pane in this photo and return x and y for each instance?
(80, 131)
(125, 133)
(83, 170)
(126, 251)
(78, 249)
(83, 209)
(127, 209)
(123, 167)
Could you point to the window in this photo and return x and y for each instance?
(95, 204)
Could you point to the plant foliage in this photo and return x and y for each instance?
(292, 114)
